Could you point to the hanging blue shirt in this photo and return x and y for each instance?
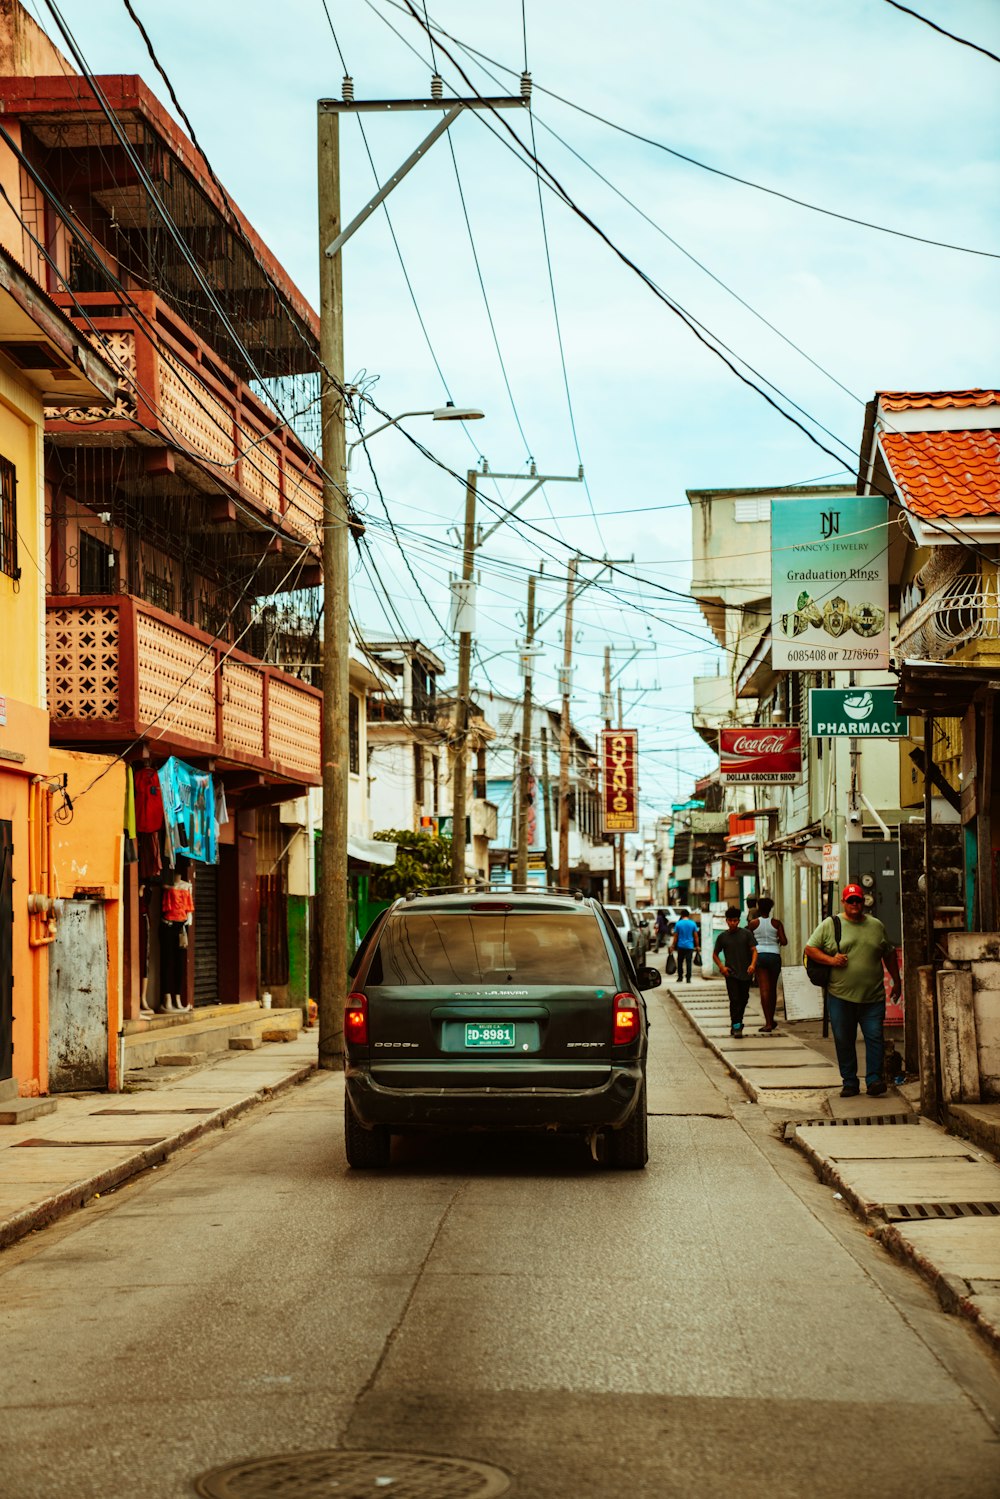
(189, 810)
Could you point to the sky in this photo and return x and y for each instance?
(850, 105)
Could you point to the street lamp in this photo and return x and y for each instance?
(447, 413)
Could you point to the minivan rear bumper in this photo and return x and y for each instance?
(606, 1105)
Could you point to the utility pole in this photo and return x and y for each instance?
(336, 626)
(471, 544)
(524, 761)
(565, 686)
(543, 735)
(336, 614)
(461, 737)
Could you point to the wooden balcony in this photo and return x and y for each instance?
(201, 421)
(121, 670)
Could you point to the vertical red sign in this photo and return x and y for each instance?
(619, 753)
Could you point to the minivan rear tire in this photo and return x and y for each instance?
(366, 1149)
(628, 1147)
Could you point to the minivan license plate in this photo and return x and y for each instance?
(493, 1034)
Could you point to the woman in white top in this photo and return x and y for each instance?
(769, 934)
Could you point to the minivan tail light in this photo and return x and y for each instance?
(356, 1019)
(626, 1019)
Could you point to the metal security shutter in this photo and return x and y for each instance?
(206, 935)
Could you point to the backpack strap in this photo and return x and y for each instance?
(837, 929)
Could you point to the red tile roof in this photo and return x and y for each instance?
(945, 473)
(942, 400)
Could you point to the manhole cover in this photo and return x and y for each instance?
(352, 1475)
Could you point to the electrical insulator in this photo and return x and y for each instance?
(437, 86)
(347, 89)
(525, 85)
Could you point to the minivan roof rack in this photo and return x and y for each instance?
(496, 888)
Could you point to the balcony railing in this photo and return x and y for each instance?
(174, 387)
(120, 669)
(965, 611)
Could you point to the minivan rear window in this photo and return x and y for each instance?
(618, 917)
(485, 947)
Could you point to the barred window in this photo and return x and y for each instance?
(98, 572)
(8, 519)
(418, 774)
(353, 735)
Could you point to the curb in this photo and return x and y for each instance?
(79, 1194)
(953, 1294)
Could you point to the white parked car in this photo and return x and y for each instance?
(631, 933)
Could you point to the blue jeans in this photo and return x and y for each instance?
(684, 955)
(845, 1017)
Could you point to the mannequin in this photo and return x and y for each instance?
(176, 909)
(145, 1008)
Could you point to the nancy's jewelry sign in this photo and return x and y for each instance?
(619, 748)
(830, 583)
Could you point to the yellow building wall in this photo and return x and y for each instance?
(22, 600)
(24, 724)
(947, 757)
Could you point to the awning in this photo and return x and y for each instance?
(790, 843)
(371, 851)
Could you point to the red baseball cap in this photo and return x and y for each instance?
(850, 890)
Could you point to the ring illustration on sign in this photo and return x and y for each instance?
(867, 620)
(836, 617)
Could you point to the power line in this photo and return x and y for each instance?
(962, 41)
(704, 166)
(700, 331)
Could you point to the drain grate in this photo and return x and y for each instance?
(918, 1212)
(794, 1124)
(115, 1113)
(83, 1144)
(353, 1475)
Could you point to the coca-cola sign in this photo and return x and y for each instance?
(751, 756)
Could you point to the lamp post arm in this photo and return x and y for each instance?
(392, 422)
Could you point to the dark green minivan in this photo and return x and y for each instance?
(496, 1011)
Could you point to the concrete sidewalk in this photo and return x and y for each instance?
(95, 1141)
(929, 1197)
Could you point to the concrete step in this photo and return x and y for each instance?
(208, 1030)
(23, 1110)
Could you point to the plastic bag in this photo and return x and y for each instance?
(671, 963)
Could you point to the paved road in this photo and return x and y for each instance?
(715, 1326)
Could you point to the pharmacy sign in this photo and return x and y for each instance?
(855, 713)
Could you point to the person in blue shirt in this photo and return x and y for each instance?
(686, 942)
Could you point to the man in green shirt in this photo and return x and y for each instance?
(856, 992)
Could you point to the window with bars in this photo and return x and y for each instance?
(98, 565)
(8, 519)
(158, 589)
(418, 774)
(354, 735)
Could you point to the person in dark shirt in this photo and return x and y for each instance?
(735, 956)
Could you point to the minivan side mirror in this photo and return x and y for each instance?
(649, 978)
